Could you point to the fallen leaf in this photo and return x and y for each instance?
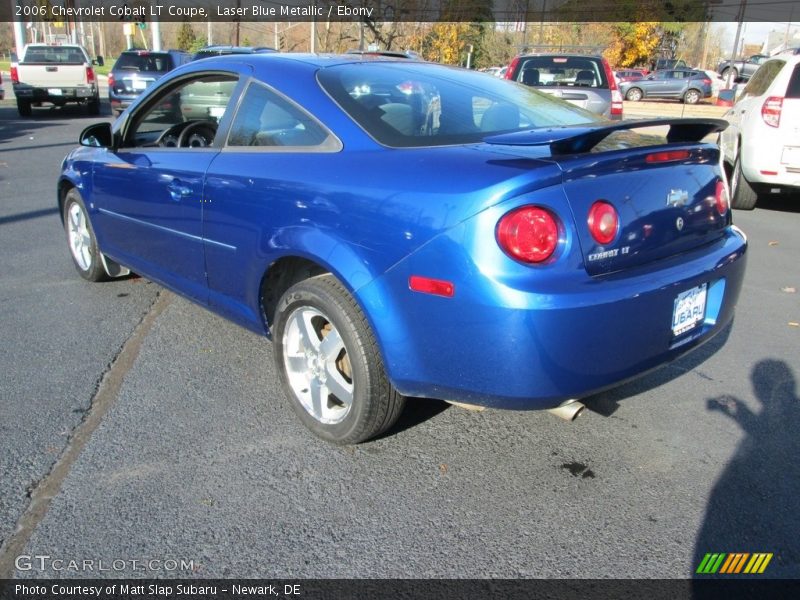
(789, 290)
(794, 324)
(773, 243)
(443, 469)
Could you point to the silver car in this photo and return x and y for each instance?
(586, 81)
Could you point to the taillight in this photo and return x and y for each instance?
(528, 234)
(14, 74)
(612, 83)
(616, 103)
(771, 111)
(603, 222)
(89, 75)
(111, 80)
(668, 156)
(512, 68)
(706, 82)
(721, 198)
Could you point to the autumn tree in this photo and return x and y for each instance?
(186, 37)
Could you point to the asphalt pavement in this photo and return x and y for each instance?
(136, 427)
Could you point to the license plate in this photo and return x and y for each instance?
(216, 111)
(54, 92)
(689, 309)
(139, 85)
(791, 156)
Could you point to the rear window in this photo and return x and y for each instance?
(160, 63)
(405, 105)
(793, 89)
(56, 54)
(762, 79)
(569, 71)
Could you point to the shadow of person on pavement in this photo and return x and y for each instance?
(752, 507)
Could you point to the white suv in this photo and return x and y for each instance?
(762, 144)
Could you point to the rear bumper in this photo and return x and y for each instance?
(496, 344)
(773, 161)
(55, 94)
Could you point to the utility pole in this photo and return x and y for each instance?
(740, 19)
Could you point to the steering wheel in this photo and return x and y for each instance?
(197, 134)
(169, 137)
(189, 134)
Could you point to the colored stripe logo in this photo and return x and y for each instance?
(734, 563)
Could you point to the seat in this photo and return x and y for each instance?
(500, 117)
(585, 78)
(399, 117)
(530, 77)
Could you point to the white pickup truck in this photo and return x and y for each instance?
(55, 74)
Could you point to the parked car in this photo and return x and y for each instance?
(221, 50)
(688, 86)
(2, 90)
(136, 70)
(661, 64)
(538, 254)
(57, 75)
(585, 81)
(761, 146)
(742, 69)
(630, 74)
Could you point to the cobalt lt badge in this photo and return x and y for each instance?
(679, 223)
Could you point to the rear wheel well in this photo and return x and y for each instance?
(281, 275)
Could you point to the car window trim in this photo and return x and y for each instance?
(332, 143)
(222, 128)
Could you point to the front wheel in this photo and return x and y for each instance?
(329, 363)
(81, 239)
(691, 97)
(634, 95)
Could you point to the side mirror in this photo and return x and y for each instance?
(98, 135)
(98, 61)
(650, 77)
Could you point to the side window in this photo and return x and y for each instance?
(267, 119)
(793, 89)
(185, 116)
(759, 82)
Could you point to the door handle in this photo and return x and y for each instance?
(178, 190)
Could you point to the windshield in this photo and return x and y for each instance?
(55, 54)
(407, 105)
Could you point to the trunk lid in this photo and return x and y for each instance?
(664, 193)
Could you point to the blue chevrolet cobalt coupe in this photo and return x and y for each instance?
(406, 229)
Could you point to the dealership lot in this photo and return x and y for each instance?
(198, 460)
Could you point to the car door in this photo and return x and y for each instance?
(149, 192)
(254, 187)
(674, 84)
(654, 84)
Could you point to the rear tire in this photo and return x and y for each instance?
(634, 95)
(330, 365)
(94, 106)
(744, 196)
(24, 108)
(691, 97)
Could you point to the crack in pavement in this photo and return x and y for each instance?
(42, 492)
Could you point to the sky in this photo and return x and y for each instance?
(756, 32)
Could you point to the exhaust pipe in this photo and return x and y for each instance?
(568, 410)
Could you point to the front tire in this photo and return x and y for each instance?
(634, 95)
(743, 194)
(329, 363)
(81, 239)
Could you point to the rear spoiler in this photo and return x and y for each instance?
(574, 139)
